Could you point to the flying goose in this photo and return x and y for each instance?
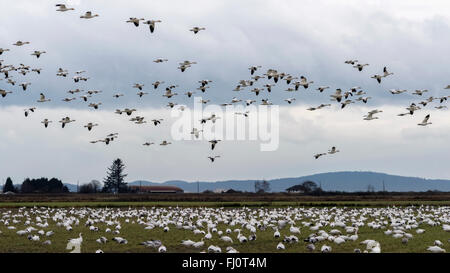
(42, 98)
(189, 94)
(157, 83)
(289, 100)
(62, 8)
(265, 102)
(321, 88)
(65, 120)
(135, 21)
(203, 88)
(196, 132)
(370, 116)
(360, 66)
(420, 92)
(157, 121)
(164, 143)
(397, 91)
(117, 95)
(204, 82)
(212, 158)
(90, 125)
(245, 114)
(38, 53)
(248, 102)
(88, 15)
(337, 95)
(352, 62)
(4, 92)
(333, 150)
(386, 73)
(29, 109)
(46, 122)
(148, 143)
(213, 143)
(151, 24)
(20, 43)
(37, 70)
(197, 29)
(304, 82)
(69, 99)
(160, 60)
(24, 85)
(425, 121)
(316, 156)
(140, 94)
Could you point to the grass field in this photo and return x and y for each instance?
(135, 233)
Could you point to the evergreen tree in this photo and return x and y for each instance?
(8, 185)
(114, 181)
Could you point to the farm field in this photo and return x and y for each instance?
(142, 222)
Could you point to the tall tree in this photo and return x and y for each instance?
(115, 179)
(8, 185)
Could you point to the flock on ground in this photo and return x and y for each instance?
(317, 229)
(255, 83)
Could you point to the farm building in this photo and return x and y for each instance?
(156, 189)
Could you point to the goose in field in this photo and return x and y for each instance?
(425, 121)
(3, 50)
(88, 15)
(281, 246)
(325, 249)
(377, 77)
(62, 8)
(397, 91)
(151, 24)
(197, 29)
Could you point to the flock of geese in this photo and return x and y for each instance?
(341, 97)
(229, 230)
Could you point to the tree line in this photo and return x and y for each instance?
(114, 182)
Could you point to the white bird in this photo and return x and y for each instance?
(425, 121)
(88, 15)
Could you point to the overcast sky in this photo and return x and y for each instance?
(310, 38)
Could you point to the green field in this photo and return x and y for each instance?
(10, 242)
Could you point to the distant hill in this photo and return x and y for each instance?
(333, 181)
